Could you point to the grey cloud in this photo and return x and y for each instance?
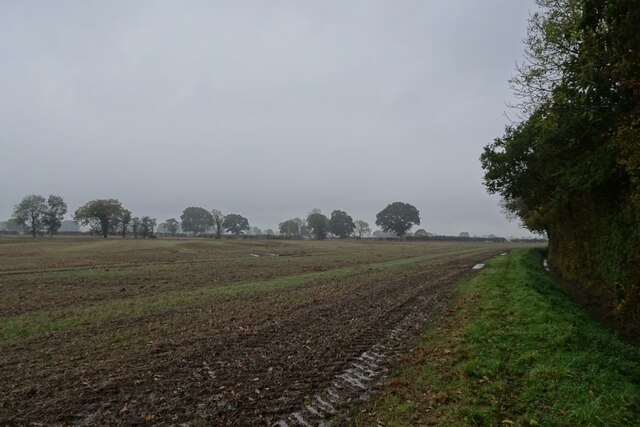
(265, 108)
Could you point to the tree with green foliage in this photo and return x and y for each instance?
(30, 212)
(341, 224)
(289, 228)
(235, 224)
(398, 217)
(318, 224)
(101, 215)
(172, 225)
(123, 222)
(571, 167)
(196, 220)
(135, 226)
(54, 214)
(218, 219)
(147, 227)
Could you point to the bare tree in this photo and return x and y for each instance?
(362, 228)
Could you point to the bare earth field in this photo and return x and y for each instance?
(205, 332)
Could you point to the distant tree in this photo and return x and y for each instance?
(235, 224)
(218, 219)
(268, 232)
(362, 228)
(421, 233)
(464, 234)
(13, 226)
(300, 223)
(54, 214)
(135, 226)
(382, 234)
(147, 226)
(398, 217)
(101, 215)
(196, 220)
(172, 225)
(289, 228)
(341, 224)
(69, 225)
(318, 224)
(305, 231)
(255, 231)
(123, 222)
(30, 213)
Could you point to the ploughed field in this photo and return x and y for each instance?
(206, 332)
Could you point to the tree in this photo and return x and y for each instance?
(30, 213)
(255, 231)
(13, 226)
(464, 234)
(147, 226)
(398, 217)
(172, 225)
(135, 226)
(123, 221)
(235, 224)
(268, 232)
(101, 215)
(341, 224)
(301, 225)
(571, 167)
(218, 219)
(196, 220)
(305, 231)
(54, 214)
(289, 228)
(318, 224)
(362, 228)
(421, 232)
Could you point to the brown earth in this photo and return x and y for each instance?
(246, 359)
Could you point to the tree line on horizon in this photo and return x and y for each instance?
(108, 217)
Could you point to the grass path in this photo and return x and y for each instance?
(513, 350)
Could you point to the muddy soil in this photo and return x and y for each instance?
(258, 359)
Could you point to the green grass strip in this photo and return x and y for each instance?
(13, 329)
(516, 350)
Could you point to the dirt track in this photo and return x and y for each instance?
(284, 357)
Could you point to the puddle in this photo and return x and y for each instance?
(478, 266)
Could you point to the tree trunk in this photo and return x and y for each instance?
(33, 225)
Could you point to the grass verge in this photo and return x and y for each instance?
(513, 350)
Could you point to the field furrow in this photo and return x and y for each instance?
(293, 348)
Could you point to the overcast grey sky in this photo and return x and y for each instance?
(264, 108)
